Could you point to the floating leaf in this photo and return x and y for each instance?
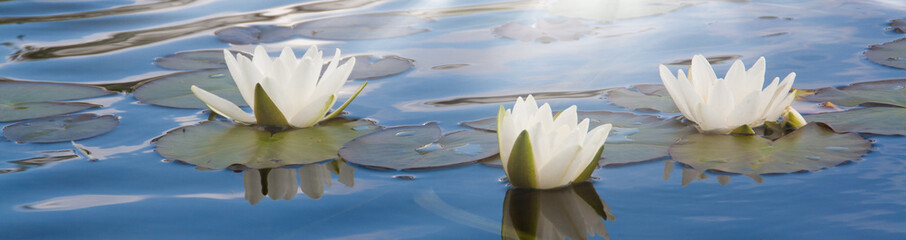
(545, 31)
(711, 60)
(27, 100)
(255, 34)
(419, 147)
(509, 98)
(875, 120)
(596, 118)
(217, 145)
(173, 90)
(891, 92)
(607, 11)
(634, 138)
(386, 66)
(362, 27)
(644, 97)
(891, 54)
(647, 142)
(60, 128)
(195, 60)
(809, 148)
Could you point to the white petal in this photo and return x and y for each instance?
(755, 75)
(222, 106)
(736, 81)
(701, 74)
(671, 84)
(261, 60)
(236, 72)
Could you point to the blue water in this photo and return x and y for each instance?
(130, 193)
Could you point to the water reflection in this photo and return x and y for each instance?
(46, 158)
(690, 175)
(129, 9)
(124, 40)
(285, 183)
(574, 212)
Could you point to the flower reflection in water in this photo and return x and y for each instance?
(284, 183)
(574, 212)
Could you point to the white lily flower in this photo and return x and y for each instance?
(284, 91)
(720, 105)
(541, 151)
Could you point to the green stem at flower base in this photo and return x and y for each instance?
(521, 165)
(743, 130)
(266, 112)
(345, 104)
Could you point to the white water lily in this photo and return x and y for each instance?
(284, 91)
(541, 151)
(721, 105)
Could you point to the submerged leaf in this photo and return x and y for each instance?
(875, 120)
(217, 145)
(195, 60)
(255, 34)
(809, 148)
(27, 100)
(60, 128)
(362, 27)
(173, 90)
(644, 97)
(890, 92)
(419, 147)
(891, 54)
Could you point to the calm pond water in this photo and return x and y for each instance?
(461, 65)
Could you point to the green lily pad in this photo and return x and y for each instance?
(647, 142)
(643, 97)
(890, 92)
(386, 66)
(60, 128)
(195, 60)
(217, 145)
(891, 54)
(27, 100)
(173, 90)
(634, 138)
(810, 148)
(255, 34)
(419, 147)
(362, 27)
(875, 120)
